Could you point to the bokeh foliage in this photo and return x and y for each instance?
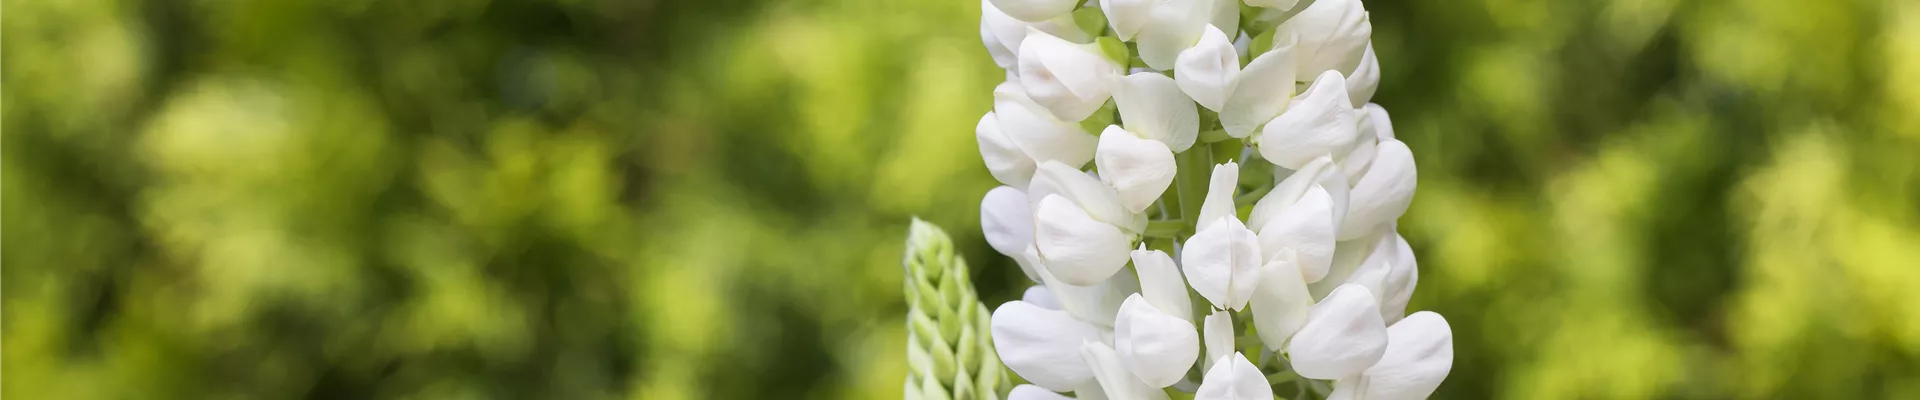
(692, 199)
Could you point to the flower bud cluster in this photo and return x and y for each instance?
(1173, 168)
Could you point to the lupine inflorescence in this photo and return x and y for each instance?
(1207, 201)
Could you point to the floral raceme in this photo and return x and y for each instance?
(1206, 201)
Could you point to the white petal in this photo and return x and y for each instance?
(1419, 356)
(1006, 220)
(1127, 16)
(1307, 228)
(1153, 106)
(992, 23)
(1175, 26)
(1333, 36)
(1365, 147)
(1139, 170)
(1077, 248)
(1032, 392)
(1235, 379)
(1365, 79)
(1352, 256)
(1226, 15)
(1281, 303)
(1219, 335)
(1218, 205)
(1042, 345)
(1343, 335)
(1035, 10)
(1096, 304)
(1288, 191)
(1206, 71)
(1037, 132)
(1382, 126)
(1317, 123)
(1003, 157)
(1260, 92)
(1384, 193)
(1112, 374)
(1222, 263)
(1038, 295)
(1400, 281)
(1084, 190)
(1071, 80)
(1161, 284)
(1156, 346)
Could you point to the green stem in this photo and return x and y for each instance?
(1190, 183)
(1166, 229)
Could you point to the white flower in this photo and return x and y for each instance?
(1152, 106)
(1281, 303)
(1003, 33)
(1333, 36)
(1365, 79)
(1384, 192)
(1097, 304)
(1071, 80)
(1219, 335)
(1226, 15)
(1161, 284)
(1397, 288)
(1419, 355)
(1210, 73)
(1042, 345)
(1139, 170)
(1004, 158)
(1114, 378)
(1035, 10)
(1156, 345)
(1390, 273)
(1306, 231)
(1381, 126)
(1170, 27)
(1081, 230)
(1019, 135)
(1079, 249)
(1351, 257)
(1317, 173)
(1343, 335)
(1317, 123)
(1222, 259)
(1128, 16)
(1234, 379)
(1007, 222)
(1038, 295)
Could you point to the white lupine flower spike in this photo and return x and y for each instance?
(1119, 138)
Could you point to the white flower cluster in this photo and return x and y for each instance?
(1154, 94)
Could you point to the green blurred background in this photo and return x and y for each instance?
(666, 199)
